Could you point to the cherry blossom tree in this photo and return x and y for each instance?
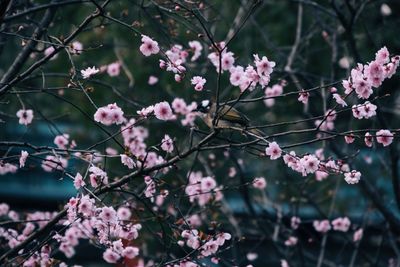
(200, 134)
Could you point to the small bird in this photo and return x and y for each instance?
(227, 118)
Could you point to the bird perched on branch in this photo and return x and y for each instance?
(227, 118)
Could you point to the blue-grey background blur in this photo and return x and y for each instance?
(270, 31)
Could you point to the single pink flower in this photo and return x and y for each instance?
(339, 100)
(384, 137)
(368, 139)
(22, 158)
(273, 151)
(90, 71)
(25, 116)
(196, 48)
(152, 80)
(78, 181)
(149, 46)
(358, 235)
(198, 82)
(349, 138)
(352, 177)
(76, 48)
(303, 97)
(259, 183)
(163, 111)
(110, 256)
(113, 69)
(130, 252)
(322, 226)
(341, 224)
(108, 215)
(127, 161)
(167, 144)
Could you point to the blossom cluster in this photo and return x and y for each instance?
(177, 57)
(251, 76)
(365, 77)
(202, 189)
(209, 247)
(110, 114)
(12, 237)
(271, 92)
(105, 225)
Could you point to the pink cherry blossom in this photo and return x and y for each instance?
(76, 48)
(382, 56)
(97, 176)
(108, 215)
(349, 138)
(111, 151)
(251, 256)
(232, 172)
(309, 163)
(61, 141)
(67, 249)
(177, 56)
(303, 97)
(236, 75)
(78, 181)
(358, 235)
(273, 151)
(7, 168)
(179, 105)
(163, 111)
(341, 224)
(207, 184)
(364, 111)
(127, 161)
(368, 139)
(113, 69)
(259, 183)
(22, 158)
(196, 48)
(50, 50)
(291, 241)
(384, 137)
(178, 77)
(264, 66)
(52, 163)
(339, 100)
(25, 116)
(284, 263)
(322, 226)
(352, 177)
(345, 62)
(124, 213)
(86, 206)
(88, 72)
(146, 111)
(149, 46)
(227, 60)
(295, 222)
(321, 175)
(130, 252)
(198, 82)
(4, 209)
(271, 92)
(110, 256)
(167, 144)
(152, 80)
(162, 64)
